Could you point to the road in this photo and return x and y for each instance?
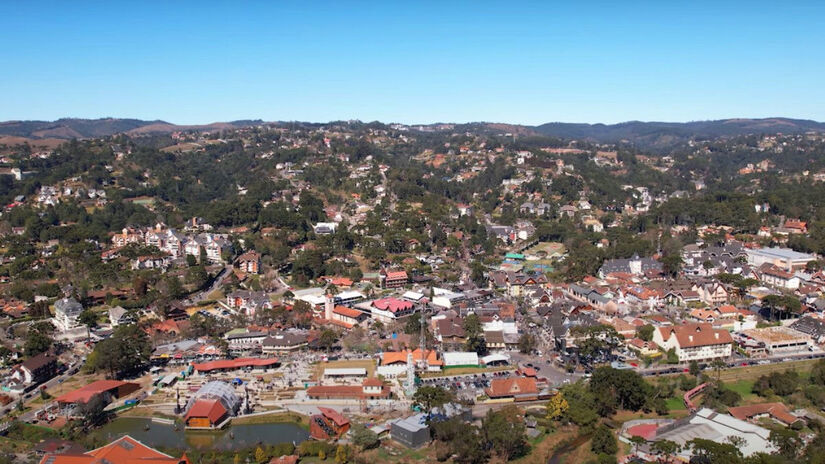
(202, 295)
(738, 363)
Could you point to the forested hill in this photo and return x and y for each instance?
(71, 128)
(653, 135)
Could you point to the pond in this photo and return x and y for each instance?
(241, 437)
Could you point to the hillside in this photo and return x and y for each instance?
(667, 134)
(69, 128)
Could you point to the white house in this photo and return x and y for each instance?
(694, 342)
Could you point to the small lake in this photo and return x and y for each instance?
(245, 435)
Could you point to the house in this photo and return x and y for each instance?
(517, 388)
(695, 342)
(450, 332)
(783, 258)
(120, 316)
(150, 262)
(779, 340)
(33, 371)
(773, 276)
(245, 340)
(249, 262)
(776, 411)
(248, 302)
(412, 432)
(123, 450)
(350, 317)
(66, 314)
(325, 228)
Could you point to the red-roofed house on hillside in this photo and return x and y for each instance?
(328, 425)
(395, 279)
(108, 390)
(124, 450)
(695, 342)
(206, 414)
(348, 316)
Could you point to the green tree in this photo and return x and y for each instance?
(327, 339)
(89, 319)
(604, 442)
(645, 332)
(364, 438)
(428, 397)
(39, 338)
(505, 431)
(527, 343)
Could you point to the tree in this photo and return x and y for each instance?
(39, 338)
(468, 446)
(89, 319)
(556, 407)
(787, 442)
(645, 332)
(126, 351)
(342, 454)
(665, 448)
(694, 368)
(260, 455)
(582, 404)
(527, 343)
(364, 438)
(717, 365)
(327, 339)
(715, 453)
(818, 373)
(604, 442)
(474, 334)
(428, 397)
(505, 431)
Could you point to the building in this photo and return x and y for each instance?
(370, 389)
(395, 279)
(33, 371)
(120, 316)
(348, 316)
(778, 340)
(517, 388)
(330, 424)
(107, 390)
(228, 365)
(206, 414)
(776, 411)
(694, 342)
(387, 310)
(250, 262)
(412, 432)
(123, 450)
(773, 276)
(460, 359)
(710, 425)
(66, 314)
(283, 342)
(211, 405)
(633, 266)
(783, 258)
(245, 341)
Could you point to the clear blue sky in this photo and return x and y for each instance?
(412, 62)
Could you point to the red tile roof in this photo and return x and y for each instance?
(513, 386)
(695, 335)
(392, 305)
(348, 312)
(124, 450)
(334, 416)
(235, 363)
(211, 409)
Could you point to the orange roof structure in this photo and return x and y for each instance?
(124, 450)
(334, 416)
(348, 312)
(695, 335)
(211, 409)
(392, 357)
(513, 386)
(777, 411)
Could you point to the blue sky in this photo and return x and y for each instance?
(412, 62)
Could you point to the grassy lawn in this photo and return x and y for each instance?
(754, 372)
(743, 387)
(274, 418)
(675, 404)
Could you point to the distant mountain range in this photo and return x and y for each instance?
(69, 128)
(651, 135)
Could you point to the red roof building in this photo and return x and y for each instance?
(328, 425)
(518, 388)
(371, 389)
(109, 388)
(124, 450)
(206, 414)
(234, 364)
